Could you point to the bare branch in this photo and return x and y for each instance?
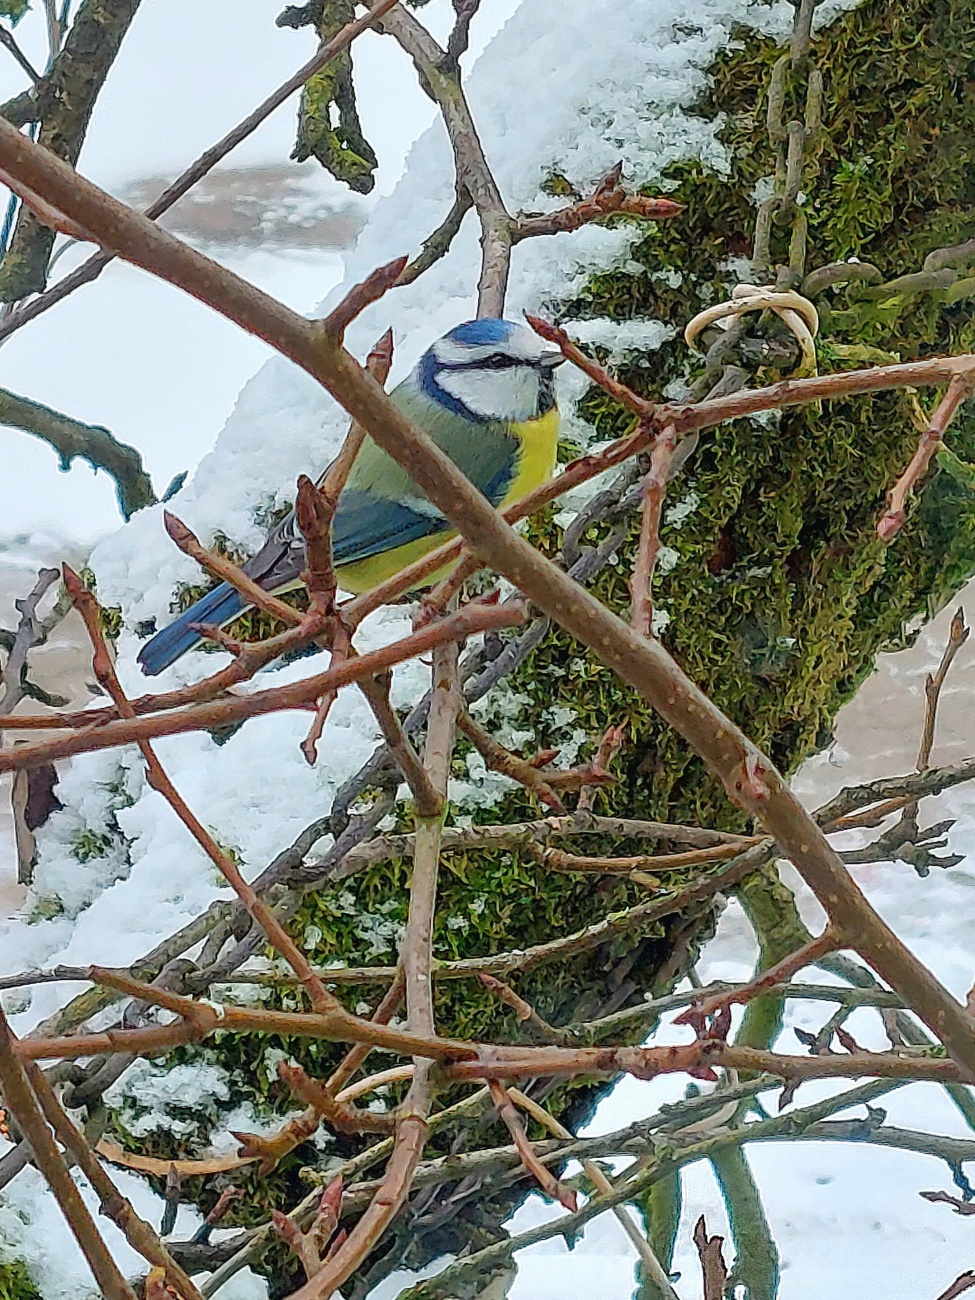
(73, 439)
(87, 606)
(220, 713)
(93, 267)
(546, 1180)
(23, 1106)
(891, 522)
(140, 1235)
(713, 1268)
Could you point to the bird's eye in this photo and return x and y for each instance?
(498, 361)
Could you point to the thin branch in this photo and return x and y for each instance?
(416, 958)
(546, 1180)
(654, 489)
(539, 1028)
(140, 1235)
(296, 695)
(31, 631)
(508, 764)
(93, 267)
(438, 244)
(87, 606)
(342, 1116)
(894, 517)
(23, 1106)
(652, 1265)
(441, 82)
(964, 1282)
(608, 198)
(218, 566)
(9, 41)
(376, 284)
(714, 1270)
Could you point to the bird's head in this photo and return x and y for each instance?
(491, 369)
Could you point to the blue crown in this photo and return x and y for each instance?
(475, 333)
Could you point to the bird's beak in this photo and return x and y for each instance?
(551, 359)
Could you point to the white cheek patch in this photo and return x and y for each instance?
(510, 394)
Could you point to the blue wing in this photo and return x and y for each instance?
(380, 509)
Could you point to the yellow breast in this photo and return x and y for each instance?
(536, 465)
(539, 443)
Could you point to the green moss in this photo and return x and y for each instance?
(328, 120)
(15, 1281)
(781, 594)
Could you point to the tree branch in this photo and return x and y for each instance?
(72, 439)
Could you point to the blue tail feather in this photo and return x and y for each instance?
(218, 606)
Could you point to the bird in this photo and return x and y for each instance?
(485, 394)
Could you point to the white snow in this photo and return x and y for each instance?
(622, 91)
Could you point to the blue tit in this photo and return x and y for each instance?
(485, 394)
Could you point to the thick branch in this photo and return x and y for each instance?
(72, 438)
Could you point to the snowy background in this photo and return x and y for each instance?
(165, 374)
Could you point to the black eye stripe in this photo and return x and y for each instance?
(497, 361)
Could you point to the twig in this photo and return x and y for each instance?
(73, 439)
(654, 1268)
(441, 81)
(713, 1008)
(438, 244)
(343, 1117)
(220, 567)
(546, 1180)
(8, 40)
(416, 959)
(714, 1270)
(964, 1282)
(608, 198)
(654, 489)
(957, 636)
(31, 631)
(360, 296)
(526, 1013)
(376, 690)
(308, 1246)
(140, 1235)
(629, 400)
(22, 1104)
(460, 34)
(87, 606)
(559, 861)
(93, 267)
(608, 748)
(296, 695)
(893, 518)
(508, 764)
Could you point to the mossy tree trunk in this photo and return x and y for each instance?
(778, 591)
